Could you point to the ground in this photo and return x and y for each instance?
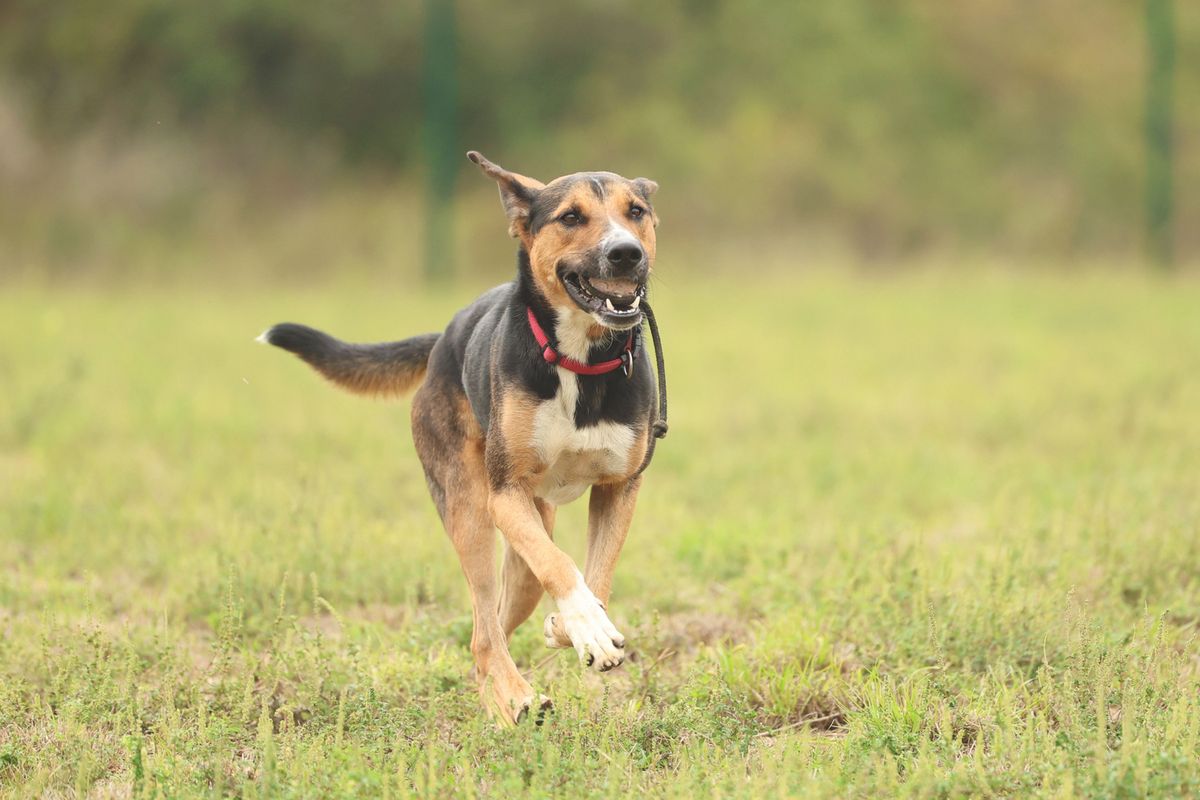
(928, 534)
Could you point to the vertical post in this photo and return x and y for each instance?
(1160, 47)
(439, 136)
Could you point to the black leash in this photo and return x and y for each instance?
(659, 426)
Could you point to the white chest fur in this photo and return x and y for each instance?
(576, 457)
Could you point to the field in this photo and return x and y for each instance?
(934, 534)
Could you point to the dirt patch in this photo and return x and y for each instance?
(688, 631)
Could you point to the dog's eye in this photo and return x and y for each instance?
(636, 212)
(570, 219)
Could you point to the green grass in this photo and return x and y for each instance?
(930, 535)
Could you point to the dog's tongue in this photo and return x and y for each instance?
(616, 287)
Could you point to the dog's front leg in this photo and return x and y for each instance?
(582, 614)
(610, 513)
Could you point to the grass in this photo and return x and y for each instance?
(935, 535)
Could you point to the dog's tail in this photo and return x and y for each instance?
(387, 368)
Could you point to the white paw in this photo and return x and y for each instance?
(583, 619)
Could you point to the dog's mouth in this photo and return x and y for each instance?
(616, 302)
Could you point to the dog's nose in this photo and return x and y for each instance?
(624, 255)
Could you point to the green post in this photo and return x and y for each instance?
(439, 137)
(1160, 45)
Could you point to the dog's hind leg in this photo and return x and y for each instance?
(501, 685)
(521, 590)
(453, 462)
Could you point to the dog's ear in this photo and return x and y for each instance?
(517, 192)
(645, 187)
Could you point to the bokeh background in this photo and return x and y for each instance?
(169, 139)
(926, 522)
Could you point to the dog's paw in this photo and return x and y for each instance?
(554, 632)
(539, 709)
(513, 701)
(582, 623)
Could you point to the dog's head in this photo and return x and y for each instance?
(589, 236)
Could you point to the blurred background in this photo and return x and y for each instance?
(927, 284)
(189, 140)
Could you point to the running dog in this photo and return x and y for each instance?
(534, 393)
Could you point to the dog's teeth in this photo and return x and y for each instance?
(608, 304)
(636, 302)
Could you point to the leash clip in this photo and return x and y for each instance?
(627, 364)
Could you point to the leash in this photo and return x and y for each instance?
(659, 427)
(660, 363)
(625, 361)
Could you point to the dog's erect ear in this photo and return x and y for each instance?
(645, 187)
(517, 192)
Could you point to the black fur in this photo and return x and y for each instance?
(381, 367)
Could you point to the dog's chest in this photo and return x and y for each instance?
(576, 458)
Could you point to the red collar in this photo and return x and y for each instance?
(579, 368)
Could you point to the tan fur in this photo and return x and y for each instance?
(513, 437)
(369, 377)
(637, 453)
(466, 418)
(521, 590)
(469, 525)
(516, 515)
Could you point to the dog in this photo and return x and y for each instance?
(531, 396)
